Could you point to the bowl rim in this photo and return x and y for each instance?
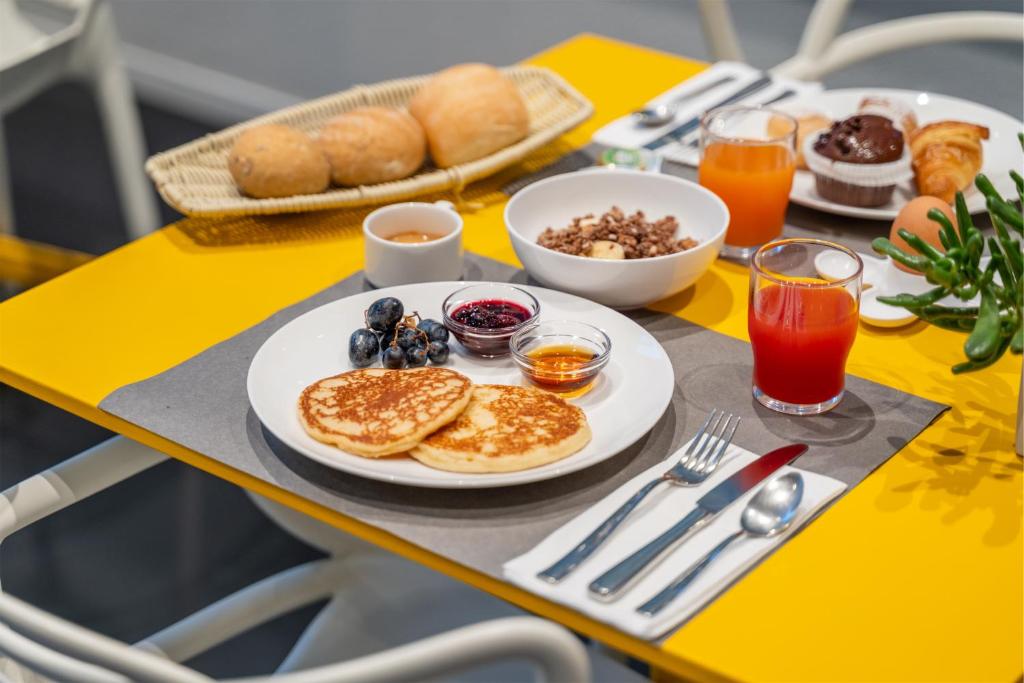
(592, 366)
(493, 332)
(621, 263)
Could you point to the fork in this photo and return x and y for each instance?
(698, 462)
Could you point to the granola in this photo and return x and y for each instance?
(617, 235)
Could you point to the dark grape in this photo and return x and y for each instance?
(363, 348)
(407, 337)
(393, 358)
(435, 330)
(385, 313)
(416, 357)
(438, 352)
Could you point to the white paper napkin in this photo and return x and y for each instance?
(625, 132)
(664, 507)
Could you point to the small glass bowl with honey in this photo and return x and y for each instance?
(561, 356)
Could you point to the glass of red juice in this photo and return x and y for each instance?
(801, 325)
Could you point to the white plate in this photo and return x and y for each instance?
(1002, 151)
(632, 392)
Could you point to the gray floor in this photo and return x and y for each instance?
(160, 546)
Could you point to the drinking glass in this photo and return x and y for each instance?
(802, 325)
(748, 157)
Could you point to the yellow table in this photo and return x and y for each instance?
(916, 574)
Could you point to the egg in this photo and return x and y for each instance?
(914, 218)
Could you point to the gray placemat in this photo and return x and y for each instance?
(202, 404)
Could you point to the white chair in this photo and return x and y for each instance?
(823, 50)
(31, 61)
(719, 32)
(52, 647)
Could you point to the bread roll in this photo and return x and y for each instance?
(277, 161)
(468, 112)
(373, 145)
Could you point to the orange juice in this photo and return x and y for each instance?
(754, 180)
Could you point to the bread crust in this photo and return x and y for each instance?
(947, 155)
(277, 161)
(469, 111)
(372, 145)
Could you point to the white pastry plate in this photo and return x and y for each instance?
(1001, 151)
(630, 396)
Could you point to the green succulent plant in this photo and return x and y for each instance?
(997, 323)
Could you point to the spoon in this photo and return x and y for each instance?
(768, 513)
(659, 115)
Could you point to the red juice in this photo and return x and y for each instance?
(801, 337)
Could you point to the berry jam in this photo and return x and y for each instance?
(484, 326)
(490, 314)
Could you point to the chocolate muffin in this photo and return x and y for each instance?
(875, 149)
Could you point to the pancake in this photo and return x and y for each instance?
(506, 429)
(376, 412)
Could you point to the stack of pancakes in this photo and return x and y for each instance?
(440, 418)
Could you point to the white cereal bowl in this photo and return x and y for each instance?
(624, 284)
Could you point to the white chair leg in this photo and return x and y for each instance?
(100, 62)
(719, 30)
(240, 611)
(6, 194)
(77, 478)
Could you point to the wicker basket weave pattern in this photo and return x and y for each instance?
(194, 177)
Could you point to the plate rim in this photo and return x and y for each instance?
(463, 480)
(825, 206)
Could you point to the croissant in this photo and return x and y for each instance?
(946, 157)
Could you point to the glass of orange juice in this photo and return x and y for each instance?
(748, 157)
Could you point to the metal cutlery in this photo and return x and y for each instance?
(683, 130)
(659, 115)
(697, 463)
(610, 584)
(769, 512)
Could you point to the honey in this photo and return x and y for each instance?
(561, 369)
(414, 237)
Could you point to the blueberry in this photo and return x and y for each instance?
(435, 330)
(393, 358)
(416, 356)
(385, 313)
(407, 338)
(438, 352)
(363, 348)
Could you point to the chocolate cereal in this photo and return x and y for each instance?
(637, 237)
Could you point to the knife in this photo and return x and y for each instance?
(608, 586)
(681, 131)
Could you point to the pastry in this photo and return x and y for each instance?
(806, 124)
(858, 161)
(901, 115)
(946, 157)
(372, 145)
(376, 412)
(468, 112)
(277, 161)
(506, 429)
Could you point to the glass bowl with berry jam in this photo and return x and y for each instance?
(484, 317)
(561, 356)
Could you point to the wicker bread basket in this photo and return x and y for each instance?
(194, 177)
